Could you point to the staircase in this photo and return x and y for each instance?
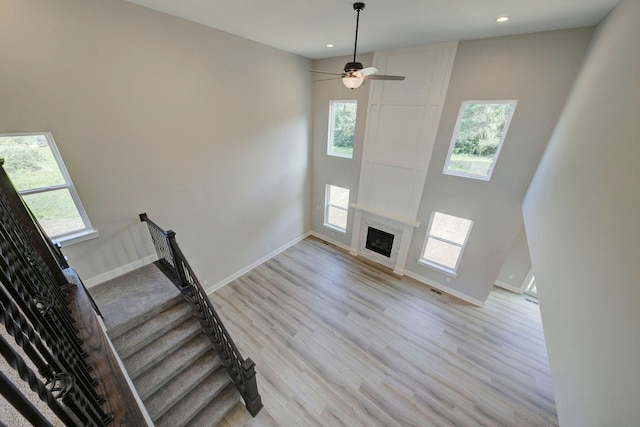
(177, 374)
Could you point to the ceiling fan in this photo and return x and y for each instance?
(354, 73)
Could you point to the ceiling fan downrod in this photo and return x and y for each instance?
(358, 7)
(354, 74)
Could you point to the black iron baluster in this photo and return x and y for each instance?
(55, 333)
(174, 264)
(21, 403)
(16, 362)
(49, 337)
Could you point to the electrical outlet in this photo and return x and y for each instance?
(510, 276)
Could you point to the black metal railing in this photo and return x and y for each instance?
(35, 313)
(173, 263)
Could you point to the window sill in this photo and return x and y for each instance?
(467, 175)
(81, 236)
(440, 268)
(340, 156)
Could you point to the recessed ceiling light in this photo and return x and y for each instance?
(329, 45)
(502, 19)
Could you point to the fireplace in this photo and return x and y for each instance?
(379, 241)
(382, 239)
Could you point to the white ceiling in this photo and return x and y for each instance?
(304, 27)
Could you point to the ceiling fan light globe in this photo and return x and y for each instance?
(352, 82)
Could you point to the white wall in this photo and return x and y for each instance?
(517, 264)
(403, 118)
(330, 169)
(537, 70)
(205, 131)
(581, 215)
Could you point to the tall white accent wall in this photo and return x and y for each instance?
(581, 215)
(402, 121)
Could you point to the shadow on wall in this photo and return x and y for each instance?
(125, 249)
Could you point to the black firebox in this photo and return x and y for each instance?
(379, 241)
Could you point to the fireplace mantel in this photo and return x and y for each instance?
(401, 228)
(378, 212)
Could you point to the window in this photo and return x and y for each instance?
(478, 137)
(446, 238)
(342, 127)
(336, 208)
(36, 170)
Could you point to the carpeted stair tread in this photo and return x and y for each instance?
(139, 336)
(170, 360)
(181, 384)
(148, 356)
(166, 369)
(213, 414)
(115, 331)
(194, 402)
(126, 300)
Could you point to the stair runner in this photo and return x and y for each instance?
(171, 362)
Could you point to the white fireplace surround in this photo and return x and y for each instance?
(401, 229)
(389, 261)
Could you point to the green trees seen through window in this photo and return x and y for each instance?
(479, 133)
(37, 174)
(342, 128)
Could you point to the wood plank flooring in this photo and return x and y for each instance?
(340, 341)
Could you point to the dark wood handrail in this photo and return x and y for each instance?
(174, 265)
(54, 342)
(35, 311)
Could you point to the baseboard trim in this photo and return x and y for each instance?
(508, 287)
(101, 278)
(328, 240)
(415, 276)
(211, 289)
(446, 289)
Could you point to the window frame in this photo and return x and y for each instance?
(328, 204)
(331, 130)
(71, 237)
(454, 137)
(442, 268)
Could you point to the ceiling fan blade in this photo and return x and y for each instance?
(354, 73)
(384, 77)
(324, 80)
(368, 71)
(325, 72)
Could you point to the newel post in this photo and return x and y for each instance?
(252, 398)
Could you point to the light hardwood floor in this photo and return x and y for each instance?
(339, 341)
